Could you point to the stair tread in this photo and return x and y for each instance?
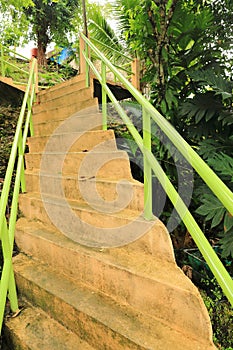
(76, 140)
(125, 258)
(147, 332)
(34, 330)
(99, 162)
(62, 85)
(125, 213)
(63, 100)
(36, 172)
(56, 108)
(101, 151)
(91, 132)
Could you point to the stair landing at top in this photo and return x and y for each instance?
(10, 94)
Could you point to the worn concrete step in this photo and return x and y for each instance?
(154, 241)
(71, 85)
(65, 99)
(114, 165)
(82, 121)
(94, 317)
(151, 284)
(90, 190)
(89, 106)
(74, 141)
(33, 329)
(89, 224)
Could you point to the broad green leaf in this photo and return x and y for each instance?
(227, 244)
(228, 222)
(212, 209)
(218, 217)
(163, 106)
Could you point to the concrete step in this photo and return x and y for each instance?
(71, 85)
(96, 318)
(89, 106)
(90, 224)
(89, 190)
(64, 99)
(130, 275)
(113, 165)
(74, 141)
(33, 329)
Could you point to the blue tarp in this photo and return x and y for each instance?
(63, 55)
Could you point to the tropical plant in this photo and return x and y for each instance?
(221, 221)
(221, 314)
(101, 31)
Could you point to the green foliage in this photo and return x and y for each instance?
(54, 74)
(176, 42)
(13, 26)
(8, 120)
(211, 208)
(18, 4)
(221, 314)
(102, 34)
(51, 21)
(210, 107)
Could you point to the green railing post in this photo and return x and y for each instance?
(29, 105)
(20, 154)
(148, 214)
(2, 62)
(7, 278)
(104, 96)
(87, 69)
(7, 283)
(31, 127)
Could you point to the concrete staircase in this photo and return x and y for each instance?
(91, 272)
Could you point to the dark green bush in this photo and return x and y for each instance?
(221, 314)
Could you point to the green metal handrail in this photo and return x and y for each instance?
(222, 192)
(125, 61)
(16, 161)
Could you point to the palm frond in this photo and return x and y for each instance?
(104, 36)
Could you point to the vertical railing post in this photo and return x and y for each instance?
(31, 128)
(21, 155)
(148, 214)
(31, 99)
(135, 66)
(2, 62)
(35, 77)
(87, 69)
(104, 96)
(83, 65)
(7, 279)
(82, 61)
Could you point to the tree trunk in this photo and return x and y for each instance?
(42, 42)
(41, 56)
(160, 34)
